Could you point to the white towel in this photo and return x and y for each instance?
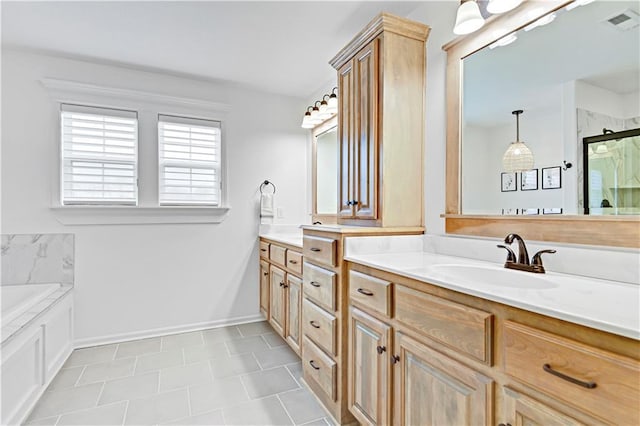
(267, 205)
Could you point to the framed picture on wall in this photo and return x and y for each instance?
(529, 180)
(551, 178)
(508, 181)
(552, 211)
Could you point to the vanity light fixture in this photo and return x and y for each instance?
(502, 6)
(321, 110)
(518, 157)
(578, 3)
(546, 19)
(504, 41)
(468, 18)
(332, 102)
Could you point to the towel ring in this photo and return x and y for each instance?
(265, 183)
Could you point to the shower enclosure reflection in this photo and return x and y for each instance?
(611, 164)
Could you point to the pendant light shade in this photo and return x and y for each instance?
(468, 18)
(502, 6)
(518, 157)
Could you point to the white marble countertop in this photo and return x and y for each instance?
(604, 305)
(285, 234)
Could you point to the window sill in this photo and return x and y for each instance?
(132, 215)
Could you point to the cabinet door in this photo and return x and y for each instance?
(294, 310)
(278, 300)
(346, 135)
(433, 389)
(264, 289)
(369, 361)
(366, 148)
(520, 410)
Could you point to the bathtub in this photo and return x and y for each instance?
(37, 338)
(18, 299)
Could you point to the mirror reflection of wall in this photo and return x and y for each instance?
(327, 172)
(572, 77)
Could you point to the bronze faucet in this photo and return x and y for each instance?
(522, 263)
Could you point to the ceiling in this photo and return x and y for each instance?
(281, 47)
(530, 71)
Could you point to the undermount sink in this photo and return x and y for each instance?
(493, 276)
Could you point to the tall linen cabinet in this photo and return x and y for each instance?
(381, 89)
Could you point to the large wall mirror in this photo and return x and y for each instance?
(565, 78)
(325, 172)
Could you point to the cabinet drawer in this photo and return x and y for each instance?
(596, 381)
(277, 254)
(465, 329)
(294, 261)
(371, 292)
(320, 286)
(321, 368)
(319, 326)
(264, 249)
(322, 250)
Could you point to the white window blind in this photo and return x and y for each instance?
(99, 155)
(190, 161)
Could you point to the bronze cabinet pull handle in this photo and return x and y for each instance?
(293, 261)
(395, 359)
(315, 284)
(503, 424)
(265, 273)
(314, 324)
(365, 292)
(381, 349)
(588, 385)
(313, 365)
(315, 249)
(281, 284)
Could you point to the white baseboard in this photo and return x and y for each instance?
(123, 337)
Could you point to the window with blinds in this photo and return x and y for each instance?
(99, 156)
(189, 161)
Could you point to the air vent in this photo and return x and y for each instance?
(623, 21)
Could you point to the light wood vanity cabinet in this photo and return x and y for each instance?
(381, 81)
(264, 289)
(281, 289)
(431, 388)
(461, 360)
(369, 393)
(278, 300)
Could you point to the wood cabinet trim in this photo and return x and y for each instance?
(383, 22)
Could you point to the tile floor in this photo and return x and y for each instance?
(239, 375)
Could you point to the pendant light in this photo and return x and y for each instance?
(518, 157)
(468, 18)
(502, 6)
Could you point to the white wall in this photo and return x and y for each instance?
(597, 99)
(134, 278)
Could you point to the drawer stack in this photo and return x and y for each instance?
(322, 354)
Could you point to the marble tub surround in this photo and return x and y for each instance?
(37, 259)
(286, 234)
(13, 328)
(606, 305)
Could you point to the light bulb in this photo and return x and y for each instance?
(468, 18)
